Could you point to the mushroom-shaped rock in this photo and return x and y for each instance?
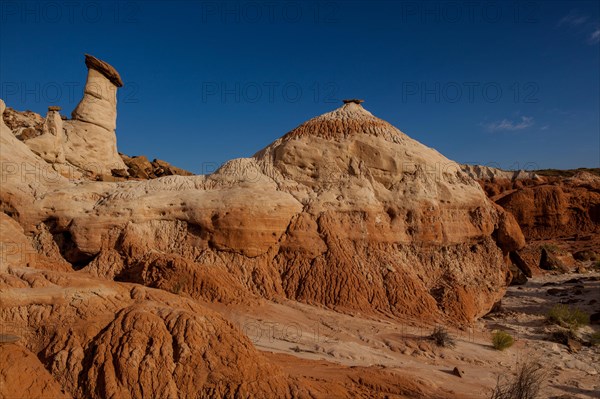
(91, 140)
(105, 69)
(353, 100)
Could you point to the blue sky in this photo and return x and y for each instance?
(509, 84)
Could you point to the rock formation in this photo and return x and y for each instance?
(85, 144)
(91, 140)
(105, 280)
(486, 173)
(104, 339)
(49, 145)
(549, 206)
(344, 210)
(141, 168)
(559, 208)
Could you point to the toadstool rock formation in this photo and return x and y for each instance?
(91, 142)
(85, 144)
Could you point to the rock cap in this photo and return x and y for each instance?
(105, 69)
(54, 108)
(353, 100)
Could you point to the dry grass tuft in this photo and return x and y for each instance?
(441, 337)
(525, 385)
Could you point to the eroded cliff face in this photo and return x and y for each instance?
(556, 208)
(557, 211)
(547, 204)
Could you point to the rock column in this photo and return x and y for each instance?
(49, 145)
(91, 138)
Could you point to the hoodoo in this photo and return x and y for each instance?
(49, 145)
(91, 139)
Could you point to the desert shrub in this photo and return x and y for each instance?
(525, 385)
(502, 340)
(564, 315)
(597, 265)
(441, 337)
(595, 338)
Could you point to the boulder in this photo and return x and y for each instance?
(517, 276)
(508, 233)
(458, 372)
(549, 261)
(573, 345)
(520, 263)
(139, 167)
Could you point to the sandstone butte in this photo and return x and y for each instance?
(103, 279)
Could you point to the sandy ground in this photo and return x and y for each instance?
(311, 341)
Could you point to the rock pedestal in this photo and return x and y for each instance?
(91, 139)
(49, 145)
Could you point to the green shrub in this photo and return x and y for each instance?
(595, 338)
(502, 340)
(566, 316)
(441, 337)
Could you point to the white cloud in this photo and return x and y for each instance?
(573, 18)
(505, 124)
(582, 25)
